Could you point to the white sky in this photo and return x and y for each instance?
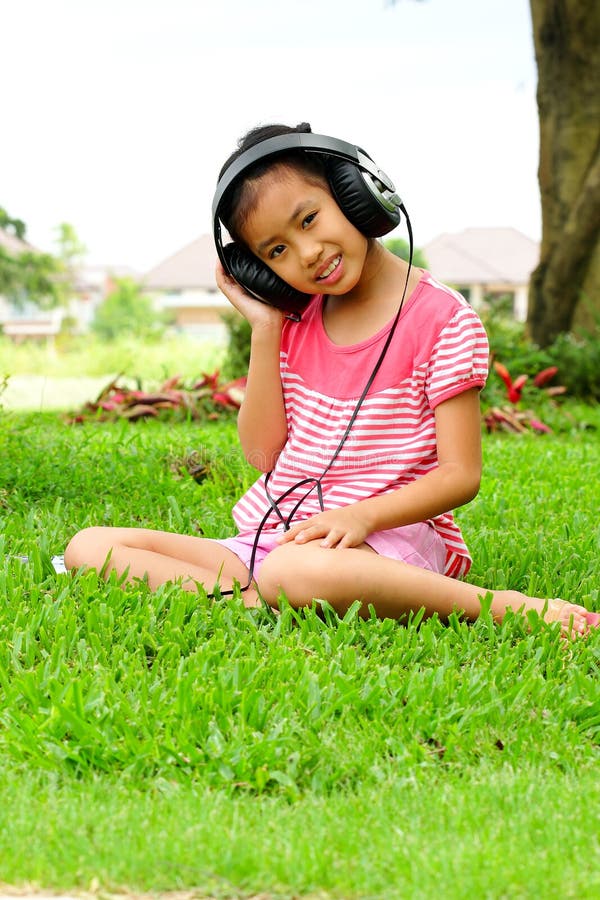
(116, 115)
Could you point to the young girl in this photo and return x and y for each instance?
(365, 425)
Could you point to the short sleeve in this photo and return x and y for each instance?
(459, 359)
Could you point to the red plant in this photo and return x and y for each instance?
(510, 418)
(542, 378)
(205, 398)
(514, 389)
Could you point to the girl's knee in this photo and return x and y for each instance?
(287, 571)
(86, 546)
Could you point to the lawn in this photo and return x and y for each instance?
(155, 742)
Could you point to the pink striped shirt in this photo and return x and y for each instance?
(439, 349)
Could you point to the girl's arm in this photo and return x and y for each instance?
(453, 483)
(456, 479)
(262, 424)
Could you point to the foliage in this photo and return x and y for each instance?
(400, 247)
(514, 419)
(239, 333)
(71, 250)
(509, 341)
(3, 386)
(206, 398)
(12, 226)
(126, 310)
(71, 253)
(577, 358)
(28, 275)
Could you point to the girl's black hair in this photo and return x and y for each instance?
(240, 201)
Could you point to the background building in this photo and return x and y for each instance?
(184, 285)
(484, 263)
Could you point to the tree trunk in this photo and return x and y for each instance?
(564, 292)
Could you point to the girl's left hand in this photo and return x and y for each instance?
(342, 527)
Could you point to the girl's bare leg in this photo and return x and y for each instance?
(159, 556)
(340, 576)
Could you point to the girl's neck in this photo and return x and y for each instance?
(373, 301)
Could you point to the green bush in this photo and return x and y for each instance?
(127, 311)
(3, 386)
(237, 356)
(577, 358)
(578, 361)
(400, 247)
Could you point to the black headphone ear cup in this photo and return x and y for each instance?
(358, 202)
(260, 281)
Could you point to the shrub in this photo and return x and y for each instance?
(237, 356)
(127, 311)
(400, 247)
(3, 386)
(206, 398)
(576, 358)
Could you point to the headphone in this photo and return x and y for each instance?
(364, 193)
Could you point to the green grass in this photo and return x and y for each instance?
(163, 741)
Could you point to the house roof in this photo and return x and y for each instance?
(482, 256)
(191, 267)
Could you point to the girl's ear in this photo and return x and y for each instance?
(360, 199)
(261, 282)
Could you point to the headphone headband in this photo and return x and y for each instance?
(310, 143)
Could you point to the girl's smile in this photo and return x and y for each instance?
(332, 272)
(300, 232)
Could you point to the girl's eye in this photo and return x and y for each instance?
(308, 219)
(276, 251)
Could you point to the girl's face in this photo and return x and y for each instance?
(300, 232)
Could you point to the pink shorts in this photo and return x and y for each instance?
(418, 545)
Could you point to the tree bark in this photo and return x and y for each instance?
(564, 291)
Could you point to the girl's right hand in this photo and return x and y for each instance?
(257, 313)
